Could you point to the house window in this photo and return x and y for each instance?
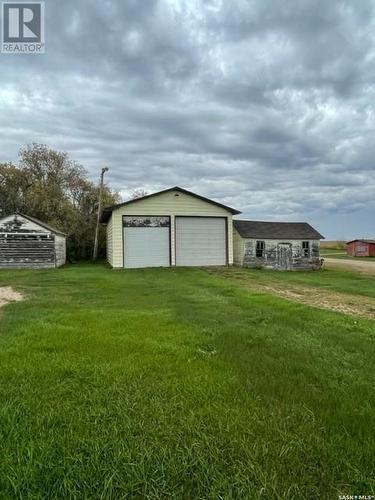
(361, 248)
(260, 249)
(306, 248)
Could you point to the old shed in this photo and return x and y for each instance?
(26, 242)
(276, 245)
(361, 248)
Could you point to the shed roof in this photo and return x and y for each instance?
(108, 211)
(276, 230)
(36, 221)
(43, 224)
(362, 241)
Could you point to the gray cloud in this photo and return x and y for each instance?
(265, 106)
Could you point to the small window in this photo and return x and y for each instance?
(361, 248)
(144, 221)
(260, 249)
(306, 248)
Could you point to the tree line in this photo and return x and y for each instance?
(50, 186)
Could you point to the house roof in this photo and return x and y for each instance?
(36, 221)
(361, 240)
(276, 230)
(106, 214)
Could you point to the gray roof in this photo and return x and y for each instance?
(106, 214)
(276, 230)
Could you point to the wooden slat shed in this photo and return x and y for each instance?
(361, 248)
(28, 243)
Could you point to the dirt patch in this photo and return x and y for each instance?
(7, 295)
(334, 301)
(363, 266)
(355, 305)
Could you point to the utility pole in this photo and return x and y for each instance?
(95, 253)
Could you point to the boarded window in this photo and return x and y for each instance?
(361, 248)
(149, 221)
(260, 249)
(306, 248)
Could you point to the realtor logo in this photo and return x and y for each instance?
(23, 28)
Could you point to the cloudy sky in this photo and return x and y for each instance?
(266, 106)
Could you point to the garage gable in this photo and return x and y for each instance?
(176, 200)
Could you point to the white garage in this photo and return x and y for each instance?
(201, 241)
(174, 227)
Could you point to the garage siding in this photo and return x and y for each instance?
(172, 203)
(110, 241)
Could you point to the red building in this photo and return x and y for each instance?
(361, 248)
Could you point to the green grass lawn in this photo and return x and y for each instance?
(332, 251)
(174, 383)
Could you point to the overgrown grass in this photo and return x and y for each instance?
(175, 383)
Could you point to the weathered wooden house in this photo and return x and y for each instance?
(26, 242)
(276, 245)
(361, 248)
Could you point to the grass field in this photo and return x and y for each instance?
(332, 252)
(333, 245)
(177, 383)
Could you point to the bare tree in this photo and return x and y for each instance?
(138, 193)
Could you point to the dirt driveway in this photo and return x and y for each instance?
(7, 295)
(364, 266)
(356, 305)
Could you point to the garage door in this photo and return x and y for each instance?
(146, 241)
(201, 241)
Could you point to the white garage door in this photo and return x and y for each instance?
(201, 241)
(146, 241)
